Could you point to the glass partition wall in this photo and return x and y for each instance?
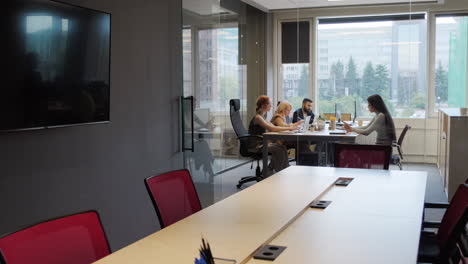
(223, 54)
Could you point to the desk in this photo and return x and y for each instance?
(276, 211)
(376, 219)
(235, 226)
(316, 136)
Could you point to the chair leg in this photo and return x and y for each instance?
(245, 180)
(257, 177)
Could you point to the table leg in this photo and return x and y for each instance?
(296, 151)
(265, 158)
(326, 153)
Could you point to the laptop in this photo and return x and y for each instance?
(307, 123)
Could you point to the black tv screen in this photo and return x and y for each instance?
(56, 65)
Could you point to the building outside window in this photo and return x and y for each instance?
(373, 55)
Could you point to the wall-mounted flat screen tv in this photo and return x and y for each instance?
(56, 60)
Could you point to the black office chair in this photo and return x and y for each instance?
(245, 139)
(396, 158)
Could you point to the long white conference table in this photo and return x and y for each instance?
(375, 219)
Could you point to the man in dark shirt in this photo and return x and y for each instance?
(305, 110)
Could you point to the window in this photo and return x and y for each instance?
(221, 78)
(42, 37)
(450, 67)
(372, 55)
(295, 61)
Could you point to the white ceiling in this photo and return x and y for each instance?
(291, 4)
(204, 7)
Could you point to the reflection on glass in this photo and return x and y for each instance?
(58, 57)
(220, 74)
(358, 59)
(38, 23)
(216, 39)
(187, 57)
(451, 61)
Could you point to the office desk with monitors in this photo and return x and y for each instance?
(378, 214)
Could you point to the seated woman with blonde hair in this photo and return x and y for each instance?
(259, 125)
(279, 119)
(281, 113)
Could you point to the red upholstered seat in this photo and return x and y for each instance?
(442, 246)
(174, 196)
(74, 239)
(453, 215)
(362, 156)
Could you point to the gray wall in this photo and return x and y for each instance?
(54, 172)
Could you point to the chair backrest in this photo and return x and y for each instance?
(239, 128)
(236, 120)
(328, 115)
(403, 134)
(362, 156)
(454, 220)
(173, 195)
(345, 117)
(74, 239)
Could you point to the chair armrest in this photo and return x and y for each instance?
(430, 224)
(436, 205)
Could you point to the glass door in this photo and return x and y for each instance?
(214, 72)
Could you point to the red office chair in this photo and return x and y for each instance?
(362, 156)
(445, 245)
(173, 195)
(74, 239)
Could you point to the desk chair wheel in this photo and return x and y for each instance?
(258, 177)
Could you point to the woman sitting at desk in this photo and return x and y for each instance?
(258, 125)
(279, 118)
(382, 122)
